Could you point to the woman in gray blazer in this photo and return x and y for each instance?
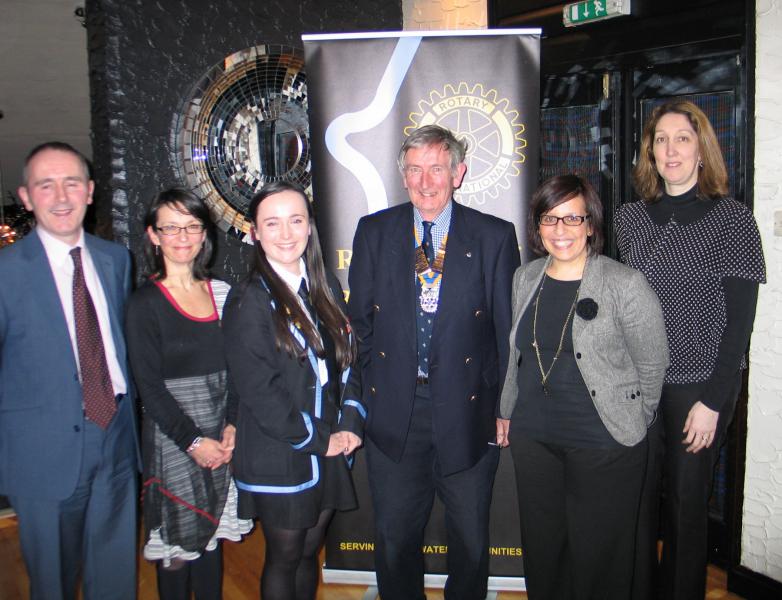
(588, 354)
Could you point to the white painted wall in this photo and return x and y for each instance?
(430, 15)
(44, 85)
(761, 542)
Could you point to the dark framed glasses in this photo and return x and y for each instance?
(569, 220)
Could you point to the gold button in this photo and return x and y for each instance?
(381, 354)
(376, 307)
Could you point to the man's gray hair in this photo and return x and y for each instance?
(434, 135)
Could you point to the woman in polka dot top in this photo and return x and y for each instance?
(701, 252)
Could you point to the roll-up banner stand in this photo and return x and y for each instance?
(367, 91)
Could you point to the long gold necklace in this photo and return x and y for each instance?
(543, 373)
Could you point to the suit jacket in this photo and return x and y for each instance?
(622, 353)
(41, 414)
(469, 348)
(284, 420)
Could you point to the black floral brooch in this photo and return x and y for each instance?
(586, 309)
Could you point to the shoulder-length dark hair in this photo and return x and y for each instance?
(556, 191)
(712, 176)
(287, 306)
(185, 202)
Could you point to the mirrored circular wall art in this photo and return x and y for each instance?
(244, 125)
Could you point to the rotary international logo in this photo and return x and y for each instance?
(494, 135)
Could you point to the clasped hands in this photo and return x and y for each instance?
(211, 454)
(342, 442)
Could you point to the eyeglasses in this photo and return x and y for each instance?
(192, 229)
(569, 220)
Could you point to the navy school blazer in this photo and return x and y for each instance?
(284, 419)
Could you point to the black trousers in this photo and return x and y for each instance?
(402, 497)
(578, 509)
(686, 479)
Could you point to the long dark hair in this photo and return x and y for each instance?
(287, 306)
(183, 201)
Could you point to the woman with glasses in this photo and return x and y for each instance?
(175, 343)
(587, 358)
(300, 416)
(701, 252)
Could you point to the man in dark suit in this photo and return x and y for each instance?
(430, 302)
(68, 449)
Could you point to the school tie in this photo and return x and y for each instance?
(426, 243)
(99, 402)
(304, 294)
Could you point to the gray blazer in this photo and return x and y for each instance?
(622, 352)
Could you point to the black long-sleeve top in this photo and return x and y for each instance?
(166, 344)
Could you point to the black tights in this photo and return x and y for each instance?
(204, 575)
(291, 568)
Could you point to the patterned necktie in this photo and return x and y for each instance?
(427, 241)
(99, 402)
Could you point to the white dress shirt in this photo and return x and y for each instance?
(61, 263)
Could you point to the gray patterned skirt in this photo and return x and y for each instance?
(183, 504)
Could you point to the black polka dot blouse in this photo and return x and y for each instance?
(685, 264)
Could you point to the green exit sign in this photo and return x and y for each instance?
(580, 13)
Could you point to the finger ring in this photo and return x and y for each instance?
(705, 436)
(346, 448)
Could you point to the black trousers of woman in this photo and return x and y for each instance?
(578, 509)
(290, 571)
(686, 479)
(203, 576)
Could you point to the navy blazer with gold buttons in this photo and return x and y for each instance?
(469, 346)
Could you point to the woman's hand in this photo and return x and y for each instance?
(209, 454)
(700, 428)
(337, 443)
(228, 441)
(352, 441)
(503, 427)
(227, 444)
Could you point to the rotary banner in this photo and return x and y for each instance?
(367, 91)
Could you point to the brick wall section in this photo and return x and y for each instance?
(444, 14)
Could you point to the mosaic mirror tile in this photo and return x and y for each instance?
(244, 125)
